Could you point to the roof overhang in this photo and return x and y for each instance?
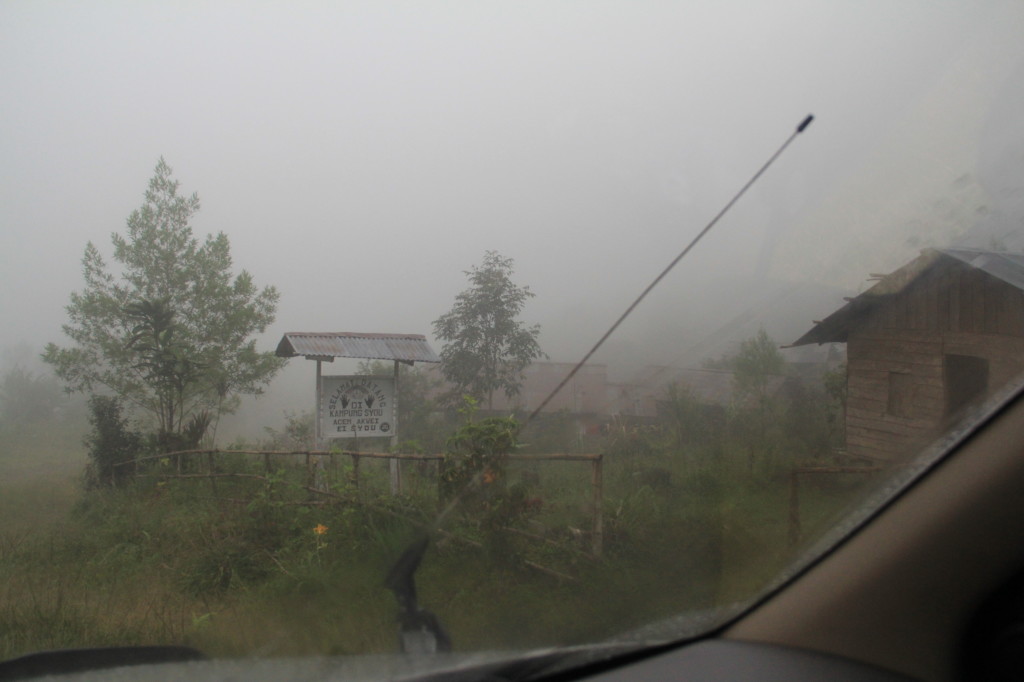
(1008, 267)
(325, 346)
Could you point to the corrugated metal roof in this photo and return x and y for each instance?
(324, 345)
(1008, 267)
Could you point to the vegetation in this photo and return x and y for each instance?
(756, 362)
(171, 333)
(247, 562)
(486, 346)
(421, 425)
(163, 561)
(27, 397)
(475, 458)
(110, 443)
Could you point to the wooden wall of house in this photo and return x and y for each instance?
(954, 310)
(954, 298)
(873, 428)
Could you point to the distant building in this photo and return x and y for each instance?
(926, 343)
(585, 394)
(643, 396)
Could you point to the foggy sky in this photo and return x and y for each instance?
(361, 156)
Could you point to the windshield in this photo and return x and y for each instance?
(295, 297)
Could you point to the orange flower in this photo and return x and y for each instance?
(489, 476)
(320, 529)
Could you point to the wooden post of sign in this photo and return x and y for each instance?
(395, 465)
(317, 433)
(317, 476)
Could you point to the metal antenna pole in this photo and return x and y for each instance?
(707, 228)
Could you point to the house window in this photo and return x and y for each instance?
(966, 381)
(901, 394)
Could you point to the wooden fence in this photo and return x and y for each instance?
(795, 527)
(314, 463)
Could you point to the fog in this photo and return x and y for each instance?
(361, 156)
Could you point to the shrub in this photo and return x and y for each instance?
(109, 443)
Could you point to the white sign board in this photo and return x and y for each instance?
(357, 407)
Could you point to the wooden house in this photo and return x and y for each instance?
(925, 344)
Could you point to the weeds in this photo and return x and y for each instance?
(686, 525)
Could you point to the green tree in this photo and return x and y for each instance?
(486, 346)
(170, 333)
(756, 363)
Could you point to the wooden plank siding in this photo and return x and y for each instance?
(954, 310)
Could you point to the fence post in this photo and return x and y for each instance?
(266, 473)
(209, 466)
(597, 481)
(355, 470)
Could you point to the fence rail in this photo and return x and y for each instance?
(314, 460)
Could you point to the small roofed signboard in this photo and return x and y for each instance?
(357, 406)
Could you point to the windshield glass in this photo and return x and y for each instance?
(295, 296)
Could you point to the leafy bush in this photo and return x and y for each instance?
(109, 443)
(476, 453)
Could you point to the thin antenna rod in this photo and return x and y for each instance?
(707, 228)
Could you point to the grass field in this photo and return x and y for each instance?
(165, 562)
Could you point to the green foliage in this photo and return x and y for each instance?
(475, 456)
(110, 442)
(758, 361)
(297, 434)
(688, 422)
(486, 347)
(473, 477)
(164, 562)
(627, 438)
(170, 333)
(550, 433)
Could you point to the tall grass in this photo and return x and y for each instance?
(166, 562)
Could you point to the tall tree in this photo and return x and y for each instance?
(486, 346)
(170, 333)
(757, 362)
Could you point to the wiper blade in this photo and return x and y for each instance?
(421, 631)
